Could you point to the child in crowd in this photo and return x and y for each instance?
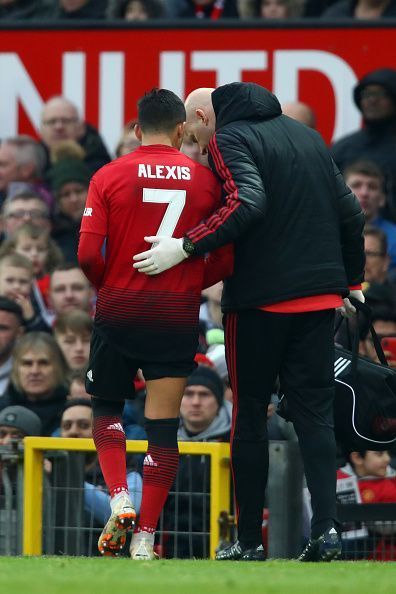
(376, 481)
(16, 283)
(72, 332)
(36, 245)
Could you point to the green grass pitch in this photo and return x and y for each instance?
(67, 575)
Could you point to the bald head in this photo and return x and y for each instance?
(300, 112)
(60, 120)
(200, 117)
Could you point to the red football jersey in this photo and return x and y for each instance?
(156, 190)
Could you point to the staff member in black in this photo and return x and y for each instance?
(299, 252)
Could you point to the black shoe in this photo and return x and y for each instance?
(325, 548)
(236, 552)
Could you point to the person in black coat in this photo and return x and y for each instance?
(298, 252)
(375, 96)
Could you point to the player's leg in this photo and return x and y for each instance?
(160, 465)
(254, 342)
(109, 378)
(307, 378)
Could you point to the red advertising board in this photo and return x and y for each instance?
(104, 71)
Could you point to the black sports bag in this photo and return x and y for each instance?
(365, 399)
(365, 396)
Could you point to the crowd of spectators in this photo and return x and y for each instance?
(46, 302)
(141, 10)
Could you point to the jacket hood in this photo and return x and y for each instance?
(219, 427)
(386, 77)
(244, 101)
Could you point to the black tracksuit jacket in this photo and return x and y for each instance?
(296, 227)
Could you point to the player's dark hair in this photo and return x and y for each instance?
(160, 110)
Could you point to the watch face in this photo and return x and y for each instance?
(188, 246)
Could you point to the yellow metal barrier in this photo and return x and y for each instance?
(33, 483)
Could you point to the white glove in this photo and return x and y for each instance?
(348, 310)
(167, 252)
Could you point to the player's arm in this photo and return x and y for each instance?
(93, 231)
(218, 265)
(245, 196)
(90, 257)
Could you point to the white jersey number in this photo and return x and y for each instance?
(175, 199)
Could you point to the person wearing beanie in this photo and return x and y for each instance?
(16, 422)
(204, 416)
(375, 97)
(69, 179)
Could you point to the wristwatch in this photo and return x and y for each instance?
(188, 246)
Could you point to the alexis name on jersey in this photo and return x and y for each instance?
(164, 171)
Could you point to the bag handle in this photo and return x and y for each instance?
(365, 310)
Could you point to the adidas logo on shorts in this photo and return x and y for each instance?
(90, 375)
(148, 461)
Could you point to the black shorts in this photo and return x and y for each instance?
(111, 373)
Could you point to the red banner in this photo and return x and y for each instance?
(104, 72)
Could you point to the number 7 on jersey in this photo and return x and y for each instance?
(175, 199)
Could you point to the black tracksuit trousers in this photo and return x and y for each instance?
(299, 348)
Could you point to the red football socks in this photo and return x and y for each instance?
(109, 438)
(159, 470)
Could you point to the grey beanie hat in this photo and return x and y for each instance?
(21, 418)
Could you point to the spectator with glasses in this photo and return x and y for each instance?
(60, 120)
(25, 207)
(22, 162)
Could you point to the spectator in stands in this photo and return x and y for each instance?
(24, 9)
(204, 416)
(69, 178)
(376, 482)
(69, 290)
(136, 10)
(16, 283)
(279, 9)
(38, 379)
(361, 9)
(128, 141)
(375, 96)
(38, 247)
(23, 208)
(61, 121)
(202, 9)
(366, 181)
(300, 112)
(377, 258)
(72, 332)
(22, 162)
(77, 386)
(80, 9)
(11, 328)
(16, 422)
